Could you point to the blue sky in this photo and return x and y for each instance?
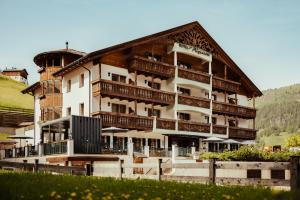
(262, 37)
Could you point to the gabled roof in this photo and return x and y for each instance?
(99, 53)
(31, 88)
(15, 70)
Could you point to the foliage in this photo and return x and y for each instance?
(11, 95)
(293, 141)
(279, 110)
(3, 136)
(45, 186)
(245, 153)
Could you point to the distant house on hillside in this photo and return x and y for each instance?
(16, 74)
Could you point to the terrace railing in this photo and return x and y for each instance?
(220, 129)
(233, 109)
(193, 101)
(242, 133)
(193, 126)
(132, 92)
(55, 148)
(193, 75)
(148, 66)
(226, 85)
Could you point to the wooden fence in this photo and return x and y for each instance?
(12, 117)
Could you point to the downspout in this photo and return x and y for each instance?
(89, 89)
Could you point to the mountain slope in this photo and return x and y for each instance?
(278, 111)
(11, 96)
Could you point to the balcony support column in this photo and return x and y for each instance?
(210, 96)
(175, 91)
(135, 83)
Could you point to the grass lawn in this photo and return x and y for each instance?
(18, 185)
(11, 95)
(276, 139)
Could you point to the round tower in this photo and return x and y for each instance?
(51, 87)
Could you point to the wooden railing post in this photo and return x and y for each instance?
(36, 166)
(88, 169)
(212, 171)
(295, 172)
(24, 165)
(159, 169)
(121, 163)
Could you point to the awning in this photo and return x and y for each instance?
(113, 130)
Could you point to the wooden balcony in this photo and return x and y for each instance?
(233, 110)
(193, 126)
(193, 101)
(168, 124)
(242, 133)
(193, 75)
(125, 120)
(220, 129)
(109, 88)
(225, 85)
(151, 67)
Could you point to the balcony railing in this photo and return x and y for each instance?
(193, 75)
(55, 148)
(193, 101)
(242, 133)
(132, 92)
(125, 120)
(165, 124)
(226, 85)
(148, 66)
(234, 110)
(193, 126)
(220, 129)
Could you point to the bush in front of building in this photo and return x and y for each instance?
(246, 153)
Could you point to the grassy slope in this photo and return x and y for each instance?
(278, 114)
(11, 95)
(45, 186)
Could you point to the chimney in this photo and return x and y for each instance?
(67, 45)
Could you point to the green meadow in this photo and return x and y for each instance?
(21, 185)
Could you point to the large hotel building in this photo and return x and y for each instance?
(173, 87)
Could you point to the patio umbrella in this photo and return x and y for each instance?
(231, 141)
(21, 137)
(213, 139)
(113, 129)
(249, 142)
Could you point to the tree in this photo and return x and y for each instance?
(293, 141)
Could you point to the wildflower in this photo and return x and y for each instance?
(52, 194)
(73, 194)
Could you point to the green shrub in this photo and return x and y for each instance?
(245, 153)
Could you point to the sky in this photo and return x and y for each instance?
(262, 37)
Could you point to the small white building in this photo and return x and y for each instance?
(16, 74)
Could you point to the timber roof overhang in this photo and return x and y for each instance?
(31, 88)
(102, 52)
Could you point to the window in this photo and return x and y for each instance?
(69, 86)
(154, 112)
(233, 122)
(213, 119)
(154, 85)
(81, 81)
(49, 62)
(118, 78)
(153, 57)
(68, 111)
(57, 61)
(57, 86)
(184, 91)
(118, 108)
(232, 100)
(213, 96)
(184, 65)
(49, 87)
(81, 109)
(184, 116)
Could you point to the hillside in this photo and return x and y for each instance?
(278, 114)
(11, 95)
